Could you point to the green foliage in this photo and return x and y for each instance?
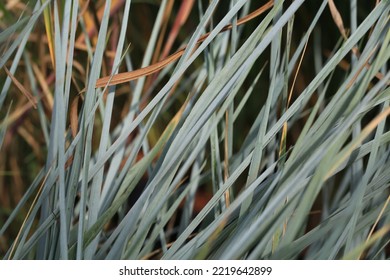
(269, 140)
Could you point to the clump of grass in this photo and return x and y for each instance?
(264, 135)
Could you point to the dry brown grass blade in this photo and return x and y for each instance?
(285, 128)
(366, 65)
(73, 116)
(337, 18)
(28, 214)
(343, 64)
(182, 15)
(346, 152)
(18, 113)
(48, 96)
(30, 139)
(377, 221)
(340, 24)
(163, 28)
(296, 73)
(89, 17)
(129, 76)
(160, 41)
(22, 89)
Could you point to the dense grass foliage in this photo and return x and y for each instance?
(194, 129)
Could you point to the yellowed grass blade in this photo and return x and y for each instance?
(378, 218)
(49, 32)
(346, 152)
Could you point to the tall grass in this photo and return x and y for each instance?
(265, 136)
